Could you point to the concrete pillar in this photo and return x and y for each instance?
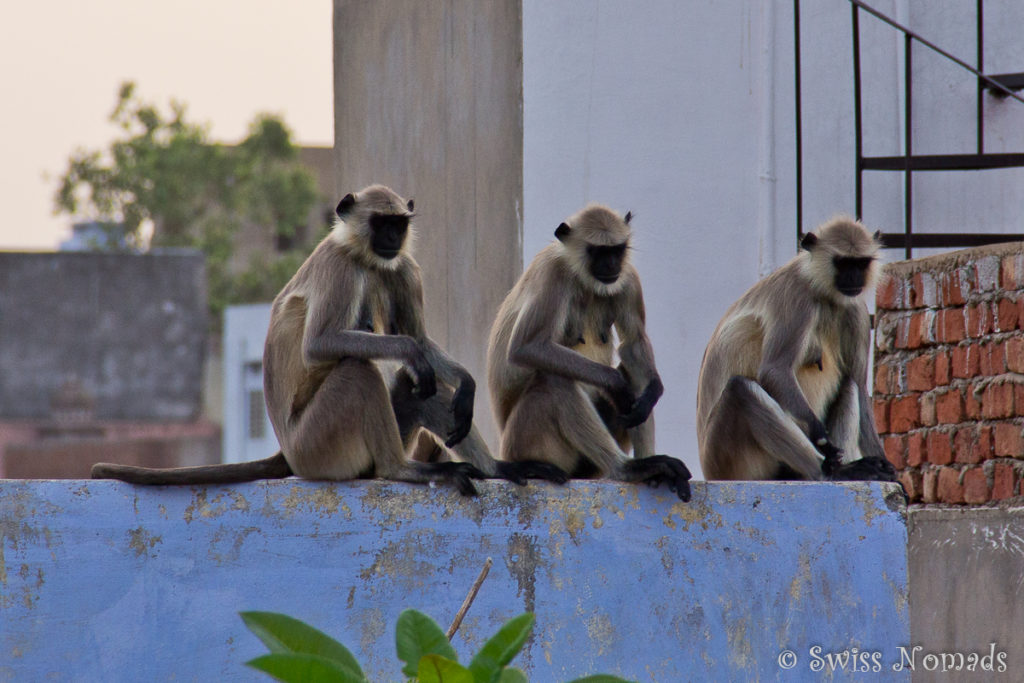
(427, 99)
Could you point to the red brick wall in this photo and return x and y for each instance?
(949, 374)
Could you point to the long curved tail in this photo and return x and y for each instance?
(274, 467)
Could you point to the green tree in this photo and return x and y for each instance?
(162, 173)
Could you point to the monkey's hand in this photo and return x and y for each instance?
(657, 469)
(643, 406)
(462, 412)
(865, 469)
(423, 372)
(459, 474)
(833, 455)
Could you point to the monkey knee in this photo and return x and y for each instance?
(740, 387)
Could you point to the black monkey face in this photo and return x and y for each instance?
(388, 234)
(606, 261)
(851, 274)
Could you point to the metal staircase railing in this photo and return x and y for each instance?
(908, 162)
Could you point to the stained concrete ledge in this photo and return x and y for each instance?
(106, 581)
(967, 567)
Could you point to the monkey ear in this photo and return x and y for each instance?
(808, 241)
(345, 205)
(629, 217)
(562, 232)
(409, 204)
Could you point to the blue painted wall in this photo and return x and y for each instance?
(106, 581)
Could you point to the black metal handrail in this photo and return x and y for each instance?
(908, 162)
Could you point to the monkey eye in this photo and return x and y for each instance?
(858, 262)
(599, 251)
(381, 221)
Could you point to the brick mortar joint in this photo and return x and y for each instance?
(965, 424)
(931, 347)
(989, 297)
(979, 383)
(988, 466)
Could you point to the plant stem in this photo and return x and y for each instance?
(469, 599)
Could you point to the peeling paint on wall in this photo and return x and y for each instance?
(622, 579)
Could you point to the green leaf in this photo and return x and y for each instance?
(512, 676)
(296, 667)
(284, 634)
(437, 669)
(502, 647)
(601, 678)
(417, 635)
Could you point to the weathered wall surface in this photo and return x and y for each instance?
(130, 328)
(965, 591)
(427, 99)
(105, 581)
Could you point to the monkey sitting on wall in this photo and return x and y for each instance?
(340, 410)
(556, 394)
(782, 390)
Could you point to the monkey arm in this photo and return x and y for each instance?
(559, 360)
(327, 347)
(856, 348)
(637, 356)
(447, 368)
(408, 319)
(329, 318)
(454, 375)
(532, 346)
(784, 342)
(868, 442)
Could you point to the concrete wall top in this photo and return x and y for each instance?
(105, 581)
(130, 328)
(950, 260)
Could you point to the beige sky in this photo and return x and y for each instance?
(61, 63)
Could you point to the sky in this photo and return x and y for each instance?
(61, 64)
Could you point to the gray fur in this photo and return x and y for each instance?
(550, 359)
(343, 319)
(784, 376)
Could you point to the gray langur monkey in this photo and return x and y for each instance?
(555, 392)
(782, 390)
(350, 376)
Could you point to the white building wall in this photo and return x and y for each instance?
(683, 112)
(247, 433)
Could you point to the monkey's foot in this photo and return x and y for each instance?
(519, 472)
(459, 474)
(864, 469)
(658, 469)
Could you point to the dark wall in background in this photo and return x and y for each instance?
(127, 330)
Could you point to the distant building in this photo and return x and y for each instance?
(101, 358)
(254, 240)
(247, 431)
(95, 236)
